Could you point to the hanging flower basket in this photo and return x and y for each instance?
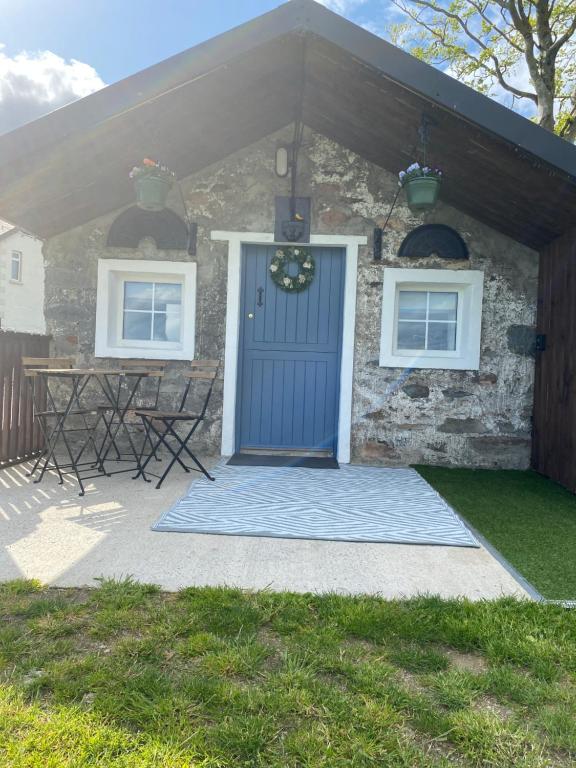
(422, 185)
(152, 183)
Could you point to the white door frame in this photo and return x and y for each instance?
(235, 242)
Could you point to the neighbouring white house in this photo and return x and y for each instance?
(21, 281)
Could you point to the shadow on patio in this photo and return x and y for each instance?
(50, 533)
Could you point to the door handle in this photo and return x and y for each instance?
(250, 315)
(260, 292)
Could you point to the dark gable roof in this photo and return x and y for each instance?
(205, 103)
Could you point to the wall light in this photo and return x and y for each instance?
(283, 155)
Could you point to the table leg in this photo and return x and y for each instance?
(59, 431)
(120, 412)
(79, 383)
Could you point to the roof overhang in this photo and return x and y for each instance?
(218, 97)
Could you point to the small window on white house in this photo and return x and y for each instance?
(431, 318)
(16, 267)
(145, 309)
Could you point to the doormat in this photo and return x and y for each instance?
(364, 504)
(256, 460)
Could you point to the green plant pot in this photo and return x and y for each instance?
(152, 192)
(422, 192)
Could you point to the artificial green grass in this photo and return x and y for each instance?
(529, 519)
(127, 677)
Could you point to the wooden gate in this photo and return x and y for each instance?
(554, 436)
(20, 437)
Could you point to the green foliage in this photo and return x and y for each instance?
(529, 519)
(416, 659)
(520, 49)
(221, 678)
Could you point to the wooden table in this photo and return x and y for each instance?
(110, 381)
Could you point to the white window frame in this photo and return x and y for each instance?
(112, 274)
(18, 259)
(468, 284)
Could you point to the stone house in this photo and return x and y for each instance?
(412, 343)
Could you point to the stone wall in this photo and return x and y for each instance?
(473, 418)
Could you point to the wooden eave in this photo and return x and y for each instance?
(212, 100)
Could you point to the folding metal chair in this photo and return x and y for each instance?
(41, 413)
(107, 413)
(161, 424)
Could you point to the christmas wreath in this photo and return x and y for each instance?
(306, 268)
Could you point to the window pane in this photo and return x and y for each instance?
(411, 335)
(167, 325)
(138, 295)
(167, 294)
(412, 305)
(442, 306)
(15, 267)
(137, 326)
(442, 336)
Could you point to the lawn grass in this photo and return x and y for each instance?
(529, 519)
(128, 677)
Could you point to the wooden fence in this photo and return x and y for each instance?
(20, 436)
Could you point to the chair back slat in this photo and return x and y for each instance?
(48, 362)
(150, 365)
(209, 374)
(200, 374)
(30, 366)
(155, 366)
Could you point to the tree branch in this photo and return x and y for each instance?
(481, 38)
(496, 70)
(504, 35)
(563, 39)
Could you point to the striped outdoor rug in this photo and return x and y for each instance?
(354, 504)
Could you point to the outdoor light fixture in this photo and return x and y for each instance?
(283, 160)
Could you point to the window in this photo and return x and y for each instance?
(16, 267)
(427, 320)
(145, 309)
(431, 318)
(151, 311)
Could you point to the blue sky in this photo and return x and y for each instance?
(55, 51)
(119, 37)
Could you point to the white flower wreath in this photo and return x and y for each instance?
(307, 267)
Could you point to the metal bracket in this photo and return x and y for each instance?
(426, 123)
(540, 342)
(377, 246)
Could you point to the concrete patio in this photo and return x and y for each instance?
(49, 533)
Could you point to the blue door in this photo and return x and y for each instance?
(289, 366)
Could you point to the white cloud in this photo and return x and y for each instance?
(32, 84)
